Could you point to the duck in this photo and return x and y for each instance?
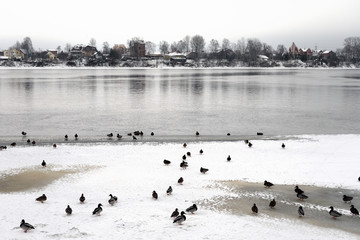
(334, 213)
(54, 145)
(154, 195)
(301, 211)
(118, 136)
(184, 164)
(283, 145)
(354, 211)
(66, 137)
(175, 213)
(42, 198)
(180, 219)
(28, 141)
(188, 154)
(68, 210)
(137, 133)
(254, 208)
(33, 142)
(197, 133)
(268, 184)
(359, 179)
(272, 203)
(13, 144)
(347, 198)
(3, 148)
(246, 141)
(129, 134)
(111, 200)
(298, 190)
(184, 145)
(192, 208)
(152, 133)
(97, 210)
(110, 135)
(203, 170)
(201, 151)
(23, 133)
(169, 190)
(134, 138)
(259, 133)
(180, 181)
(250, 144)
(114, 197)
(228, 158)
(26, 226)
(82, 198)
(184, 157)
(141, 133)
(302, 196)
(167, 162)
(228, 134)
(76, 136)
(43, 163)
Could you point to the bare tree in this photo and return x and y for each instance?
(68, 47)
(174, 47)
(17, 45)
(186, 41)
(225, 44)
(351, 49)
(58, 49)
(92, 42)
(106, 48)
(150, 47)
(164, 47)
(197, 44)
(27, 45)
(213, 46)
(267, 50)
(181, 46)
(253, 49)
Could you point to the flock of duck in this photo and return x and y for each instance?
(180, 217)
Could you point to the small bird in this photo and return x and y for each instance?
(197, 133)
(129, 134)
(254, 208)
(250, 144)
(33, 142)
(110, 135)
(201, 151)
(259, 133)
(180, 219)
(203, 170)
(13, 144)
(154, 195)
(175, 213)
(118, 136)
(134, 138)
(54, 145)
(347, 198)
(272, 203)
(141, 133)
(188, 154)
(25, 226)
(302, 196)
(228, 134)
(184, 145)
(283, 145)
(246, 141)
(192, 208)
(28, 141)
(359, 179)
(42, 198)
(23, 133)
(184, 157)
(66, 137)
(180, 181)
(152, 133)
(169, 190)
(268, 184)
(97, 210)
(76, 136)
(167, 162)
(301, 211)
(228, 158)
(353, 210)
(334, 213)
(82, 198)
(298, 190)
(43, 163)
(111, 200)
(184, 164)
(68, 210)
(114, 197)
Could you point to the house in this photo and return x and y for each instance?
(137, 48)
(15, 53)
(293, 50)
(89, 51)
(76, 51)
(328, 54)
(305, 51)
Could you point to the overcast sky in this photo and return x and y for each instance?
(57, 22)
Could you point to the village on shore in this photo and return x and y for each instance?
(139, 53)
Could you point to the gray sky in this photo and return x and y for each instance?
(57, 22)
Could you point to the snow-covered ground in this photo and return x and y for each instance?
(131, 171)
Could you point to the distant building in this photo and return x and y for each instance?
(89, 51)
(15, 53)
(293, 50)
(137, 48)
(328, 55)
(305, 51)
(80, 50)
(120, 48)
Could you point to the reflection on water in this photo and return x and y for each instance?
(92, 102)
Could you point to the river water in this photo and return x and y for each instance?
(178, 102)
